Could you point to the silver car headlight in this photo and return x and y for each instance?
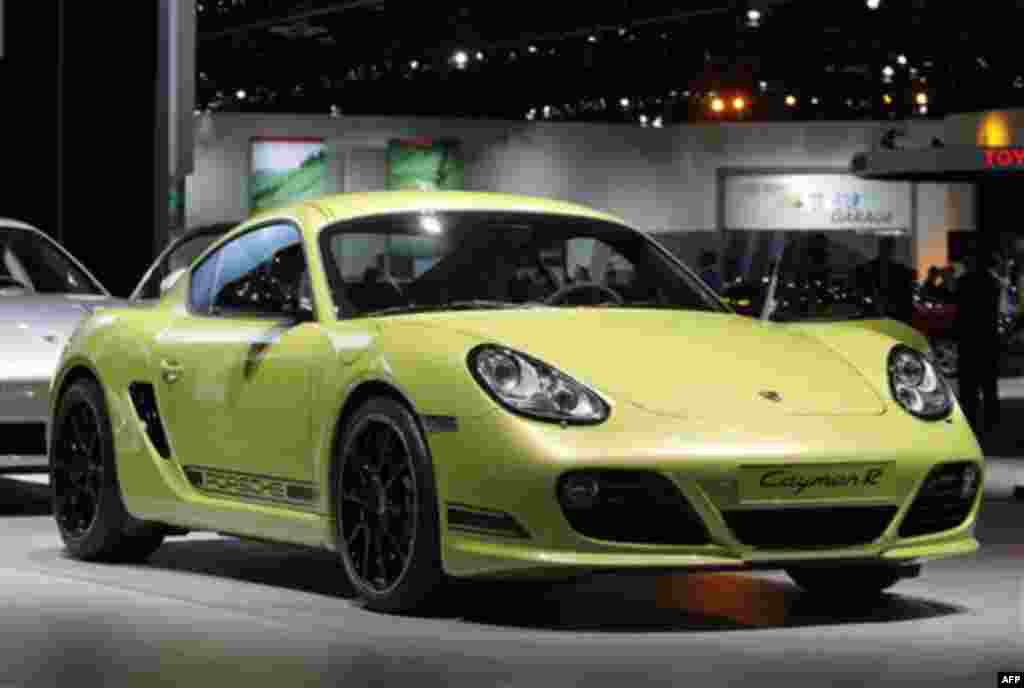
(529, 387)
(917, 386)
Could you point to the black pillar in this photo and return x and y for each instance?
(109, 205)
(28, 114)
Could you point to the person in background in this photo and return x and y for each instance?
(977, 336)
(934, 286)
(709, 270)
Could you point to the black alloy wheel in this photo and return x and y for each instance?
(77, 476)
(91, 516)
(387, 522)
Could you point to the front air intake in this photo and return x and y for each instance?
(144, 401)
(629, 506)
(945, 499)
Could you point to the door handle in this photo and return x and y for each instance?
(170, 371)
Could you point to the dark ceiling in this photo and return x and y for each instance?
(645, 61)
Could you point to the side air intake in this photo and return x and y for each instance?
(144, 400)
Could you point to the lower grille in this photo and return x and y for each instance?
(630, 506)
(23, 439)
(943, 503)
(810, 528)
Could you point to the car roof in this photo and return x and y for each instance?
(353, 205)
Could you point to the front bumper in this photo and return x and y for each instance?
(510, 466)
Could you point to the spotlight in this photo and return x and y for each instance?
(532, 49)
(738, 103)
(921, 98)
(902, 59)
(763, 85)
(479, 55)
(753, 18)
(592, 39)
(624, 102)
(888, 71)
(240, 94)
(791, 100)
(461, 59)
(415, 64)
(717, 104)
(874, 4)
(887, 99)
(814, 100)
(923, 110)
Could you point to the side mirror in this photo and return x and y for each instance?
(168, 282)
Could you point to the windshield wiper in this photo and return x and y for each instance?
(472, 304)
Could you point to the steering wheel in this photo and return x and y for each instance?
(559, 296)
(8, 281)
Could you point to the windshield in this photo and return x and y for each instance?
(839, 275)
(32, 263)
(471, 260)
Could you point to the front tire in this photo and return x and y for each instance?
(91, 516)
(853, 582)
(387, 519)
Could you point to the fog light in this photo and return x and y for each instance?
(580, 492)
(970, 481)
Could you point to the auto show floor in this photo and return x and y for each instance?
(209, 610)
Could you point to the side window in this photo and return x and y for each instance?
(180, 258)
(201, 287)
(262, 273)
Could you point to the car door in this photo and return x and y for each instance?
(236, 372)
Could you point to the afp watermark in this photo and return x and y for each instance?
(1011, 678)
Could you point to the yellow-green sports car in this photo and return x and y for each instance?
(453, 385)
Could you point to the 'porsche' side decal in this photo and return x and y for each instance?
(440, 423)
(249, 486)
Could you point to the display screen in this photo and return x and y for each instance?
(285, 171)
(425, 165)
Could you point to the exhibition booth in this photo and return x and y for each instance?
(736, 189)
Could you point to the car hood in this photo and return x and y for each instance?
(34, 328)
(681, 363)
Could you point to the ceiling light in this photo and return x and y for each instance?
(479, 55)
(791, 100)
(461, 59)
(763, 86)
(533, 49)
(624, 102)
(814, 100)
(415, 64)
(874, 4)
(902, 59)
(753, 18)
(657, 122)
(240, 94)
(717, 104)
(643, 120)
(592, 39)
(888, 71)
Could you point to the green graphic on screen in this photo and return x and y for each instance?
(425, 165)
(286, 170)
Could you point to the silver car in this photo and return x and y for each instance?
(44, 294)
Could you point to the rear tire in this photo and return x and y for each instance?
(851, 582)
(91, 516)
(387, 521)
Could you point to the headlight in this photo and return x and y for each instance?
(917, 386)
(529, 387)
